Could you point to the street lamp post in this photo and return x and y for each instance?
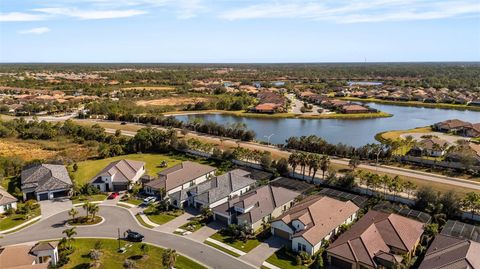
(268, 138)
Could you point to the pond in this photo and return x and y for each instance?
(351, 132)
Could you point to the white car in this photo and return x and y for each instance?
(149, 200)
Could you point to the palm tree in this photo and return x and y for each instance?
(314, 164)
(69, 233)
(86, 206)
(293, 161)
(94, 210)
(471, 202)
(385, 181)
(409, 188)
(303, 160)
(169, 257)
(324, 164)
(73, 213)
(354, 162)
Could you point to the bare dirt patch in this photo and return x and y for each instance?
(172, 101)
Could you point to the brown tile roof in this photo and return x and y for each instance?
(377, 231)
(266, 107)
(354, 108)
(44, 246)
(452, 124)
(122, 170)
(429, 143)
(451, 252)
(321, 215)
(179, 174)
(6, 198)
(264, 200)
(14, 256)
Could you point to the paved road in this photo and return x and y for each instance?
(120, 218)
(458, 182)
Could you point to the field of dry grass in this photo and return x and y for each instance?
(172, 101)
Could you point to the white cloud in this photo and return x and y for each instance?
(20, 16)
(36, 31)
(342, 11)
(91, 14)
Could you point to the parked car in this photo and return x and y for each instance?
(113, 195)
(134, 236)
(149, 200)
(123, 123)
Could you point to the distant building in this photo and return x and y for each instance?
(434, 147)
(118, 175)
(45, 182)
(315, 219)
(450, 125)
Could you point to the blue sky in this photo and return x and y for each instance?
(239, 31)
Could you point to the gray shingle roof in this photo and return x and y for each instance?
(46, 177)
(121, 170)
(6, 198)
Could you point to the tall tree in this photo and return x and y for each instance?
(169, 257)
(471, 202)
(324, 165)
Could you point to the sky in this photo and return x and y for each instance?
(239, 31)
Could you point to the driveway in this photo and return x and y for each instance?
(259, 254)
(172, 225)
(117, 218)
(53, 207)
(205, 232)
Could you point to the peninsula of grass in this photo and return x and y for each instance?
(284, 259)
(413, 103)
(221, 248)
(88, 169)
(384, 137)
(16, 219)
(238, 244)
(92, 198)
(84, 221)
(112, 259)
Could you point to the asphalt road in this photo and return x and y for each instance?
(120, 218)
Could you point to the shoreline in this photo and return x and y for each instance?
(412, 104)
(282, 115)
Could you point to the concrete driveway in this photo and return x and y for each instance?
(172, 225)
(259, 254)
(205, 232)
(53, 207)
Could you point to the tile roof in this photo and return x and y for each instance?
(6, 198)
(46, 177)
(452, 253)
(44, 246)
(179, 174)
(120, 171)
(264, 200)
(17, 257)
(321, 215)
(374, 233)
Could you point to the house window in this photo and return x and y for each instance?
(301, 247)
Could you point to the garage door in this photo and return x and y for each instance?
(221, 219)
(341, 264)
(60, 194)
(43, 196)
(281, 233)
(120, 187)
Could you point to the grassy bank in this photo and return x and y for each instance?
(392, 135)
(283, 115)
(413, 103)
(111, 258)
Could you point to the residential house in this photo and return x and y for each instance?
(118, 175)
(457, 246)
(7, 201)
(266, 108)
(45, 182)
(354, 109)
(255, 207)
(179, 177)
(450, 125)
(377, 240)
(212, 193)
(313, 220)
(40, 256)
(472, 130)
(434, 147)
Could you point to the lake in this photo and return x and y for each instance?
(351, 132)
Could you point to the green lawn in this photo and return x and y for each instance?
(221, 248)
(92, 198)
(133, 201)
(111, 259)
(16, 219)
(88, 169)
(192, 226)
(142, 222)
(163, 217)
(240, 245)
(284, 259)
